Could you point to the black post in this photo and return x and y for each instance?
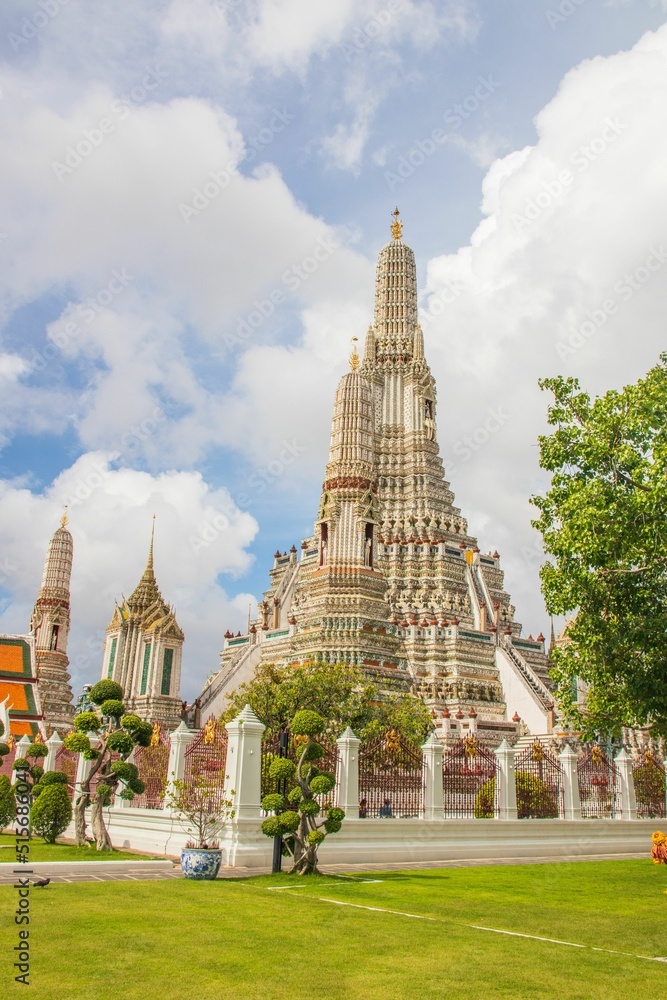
(281, 786)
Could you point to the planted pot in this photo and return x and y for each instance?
(201, 862)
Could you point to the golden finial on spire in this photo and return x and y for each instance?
(64, 518)
(354, 357)
(397, 225)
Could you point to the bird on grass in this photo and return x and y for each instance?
(41, 882)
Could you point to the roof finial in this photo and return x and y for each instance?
(64, 518)
(354, 357)
(149, 565)
(397, 225)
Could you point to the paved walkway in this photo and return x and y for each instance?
(116, 871)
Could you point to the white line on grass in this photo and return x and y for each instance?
(491, 930)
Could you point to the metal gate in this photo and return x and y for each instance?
(391, 777)
(469, 781)
(539, 784)
(598, 784)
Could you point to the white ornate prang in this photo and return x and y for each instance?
(49, 624)
(390, 547)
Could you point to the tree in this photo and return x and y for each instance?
(51, 810)
(7, 802)
(604, 523)
(31, 773)
(298, 826)
(117, 733)
(341, 694)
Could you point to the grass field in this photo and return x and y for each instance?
(333, 937)
(39, 851)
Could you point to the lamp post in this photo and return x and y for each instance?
(281, 788)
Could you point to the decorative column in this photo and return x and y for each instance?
(568, 761)
(22, 748)
(347, 777)
(433, 805)
(506, 783)
(244, 764)
(623, 762)
(54, 744)
(179, 741)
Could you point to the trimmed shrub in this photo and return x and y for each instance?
(87, 722)
(131, 722)
(272, 827)
(120, 742)
(314, 752)
(105, 691)
(321, 784)
(273, 802)
(7, 802)
(309, 807)
(112, 707)
(37, 750)
(533, 798)
(125, 770)
(307, 723)
(282, 768)
(336, 814)
(51, 812)
(77, 742)
(289, 821)
(104, 793)
(316, 837)
(295, 796)
(53, 778)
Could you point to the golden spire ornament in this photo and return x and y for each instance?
(354, 357)
(397, 225)
(64, 519)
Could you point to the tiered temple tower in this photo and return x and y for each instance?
(391, 580)
(49, 625)
(143, 651)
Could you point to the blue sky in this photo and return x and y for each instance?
(168, 172)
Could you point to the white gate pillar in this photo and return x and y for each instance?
(434, 804)
(83, 766)
(506, 783)
(347, 777)
(179, 741)
(244, 764)
(623, 762)
(22, 748)
(53, 744)
(572, 802)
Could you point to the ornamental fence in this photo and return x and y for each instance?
(598, 784)
(206, 757)
(67, 761)
(469, 785)
(152, 762)
(649, 779)
(391, 777)
(540, 784)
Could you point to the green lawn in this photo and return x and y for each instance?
(180, 940)
(39, 851)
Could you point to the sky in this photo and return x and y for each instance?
(193, 195)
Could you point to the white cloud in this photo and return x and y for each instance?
(546, 286)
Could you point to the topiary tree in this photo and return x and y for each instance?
(31, 773)
(7, 802)
(298, 826)
(51, 810)
(117, 732)
(533, 798)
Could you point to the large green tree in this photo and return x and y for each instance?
(604, 524)
(341, 694)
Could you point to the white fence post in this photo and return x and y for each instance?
(347, 777)
(53, 744)
(244, 764)
(22, 748)
(179, 741)
(434, 803)
(506, 790)
(623, 762)
(83, 766)
(572, 802)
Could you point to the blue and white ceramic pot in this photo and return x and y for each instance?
(201, 862)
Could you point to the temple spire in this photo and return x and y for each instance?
(395, 318)
(146, 591)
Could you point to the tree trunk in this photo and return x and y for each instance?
(80, 819)
(99, 827)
